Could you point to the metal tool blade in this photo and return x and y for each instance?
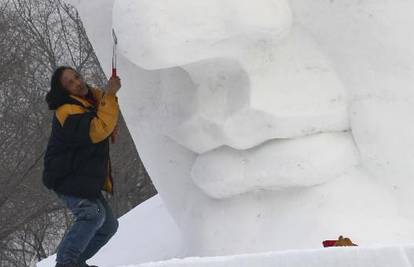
(114, 36)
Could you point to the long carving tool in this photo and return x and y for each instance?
(113, 76)
(114, 53)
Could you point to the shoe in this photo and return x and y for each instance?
(67, 265)
(86, 265)
(74, 265)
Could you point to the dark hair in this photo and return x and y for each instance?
(57, 95)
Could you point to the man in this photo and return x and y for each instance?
(77, 164)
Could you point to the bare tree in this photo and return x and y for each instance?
(36, 36)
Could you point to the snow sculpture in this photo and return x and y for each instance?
(240, 113)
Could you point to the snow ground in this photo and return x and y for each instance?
(387, 256)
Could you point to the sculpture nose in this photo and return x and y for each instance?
(291, 91)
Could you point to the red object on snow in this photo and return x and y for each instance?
(329, 243)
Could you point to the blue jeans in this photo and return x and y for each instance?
(94, 225)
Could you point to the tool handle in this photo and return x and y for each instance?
(113, 72)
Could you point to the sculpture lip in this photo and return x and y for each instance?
(275, 164)
(202, 136)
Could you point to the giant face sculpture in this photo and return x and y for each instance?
(240, 113)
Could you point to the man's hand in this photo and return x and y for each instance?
(113, 86)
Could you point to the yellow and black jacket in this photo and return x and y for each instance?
(77, 160)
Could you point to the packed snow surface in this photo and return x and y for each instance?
(390, 256)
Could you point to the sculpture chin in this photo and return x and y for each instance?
(275, 165)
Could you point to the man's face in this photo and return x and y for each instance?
(73, 83)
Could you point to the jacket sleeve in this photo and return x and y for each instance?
(107, 117)
(82, 126)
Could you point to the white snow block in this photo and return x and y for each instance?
(363, 47)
